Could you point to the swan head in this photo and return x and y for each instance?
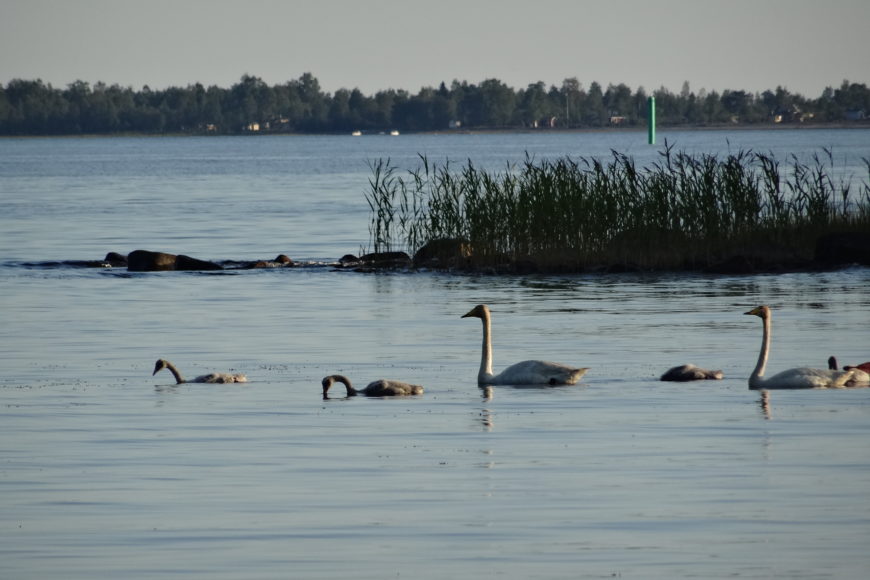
(762, 312)
(159, 366)
(479, 311)
(328, 381)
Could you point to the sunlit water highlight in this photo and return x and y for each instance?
(106, 471)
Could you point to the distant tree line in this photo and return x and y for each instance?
(32, 107)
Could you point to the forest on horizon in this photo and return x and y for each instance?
(32, 107)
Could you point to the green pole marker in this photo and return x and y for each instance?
(651, 119)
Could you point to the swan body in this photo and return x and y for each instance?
(209, 378)
(796, 378)
(379, 388)
(690, 372)
(529, 372)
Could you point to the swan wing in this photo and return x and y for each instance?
(388, 388)
(538, 372)
(808, 378)
(220, 378)
(859, 378)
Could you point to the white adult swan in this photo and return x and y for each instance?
(209, 378)
(529, 372)
(379, 388)
(690, 372)
(797, 378)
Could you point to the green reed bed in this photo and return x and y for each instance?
(683, 211)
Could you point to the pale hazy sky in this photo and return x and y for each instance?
(753, 45)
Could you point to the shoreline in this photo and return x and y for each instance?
(846, 125)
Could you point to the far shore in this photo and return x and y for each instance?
(489, 130)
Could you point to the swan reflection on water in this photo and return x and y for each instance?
(764, 403)
(485, 414)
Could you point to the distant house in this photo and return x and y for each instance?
(855, 115)
(252, 127)
(617, 119)
(790, 114)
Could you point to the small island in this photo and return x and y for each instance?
(735, 214)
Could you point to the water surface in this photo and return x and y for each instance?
(106, 471)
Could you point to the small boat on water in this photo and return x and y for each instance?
(394, 133)
(356, 133)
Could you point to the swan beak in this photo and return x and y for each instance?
(757, 311)
(474, 312)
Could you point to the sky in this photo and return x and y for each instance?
(752, 45)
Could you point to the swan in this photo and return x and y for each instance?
(796, 378)
(209, 378)
(862, 373)
(379, 388)
(529, 372)
(690, 373)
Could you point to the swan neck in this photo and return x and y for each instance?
(175, 372)
(485, 373)
(347, 384)
(755, 379)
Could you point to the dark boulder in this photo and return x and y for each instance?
(147, 261)
(183, 262)
(386, 260)
(281, 261)
(115, 259)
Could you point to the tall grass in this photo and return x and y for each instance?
(681, 211)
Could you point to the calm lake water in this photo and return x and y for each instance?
(108, 472)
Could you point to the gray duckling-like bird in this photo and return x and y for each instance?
(379, 388)
(529, 372)
(209, 378)
(690, 372)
